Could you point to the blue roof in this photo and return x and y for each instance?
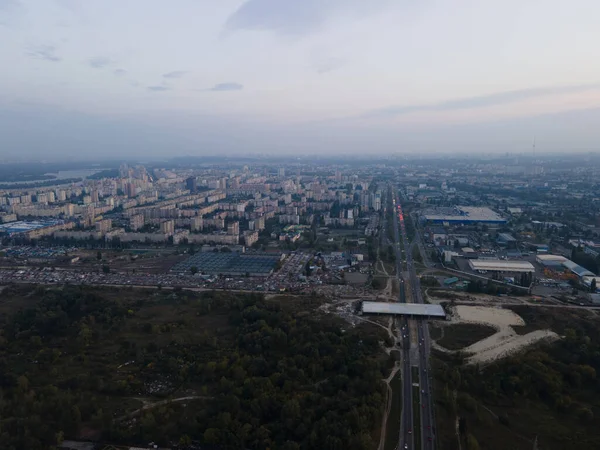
(577, 269)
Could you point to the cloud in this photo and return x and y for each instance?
(295, 17)
(72, 5)
(159, 88)
(221, 87)
(174, 74)
(8, 10)
(100, 62)
(324, 65)
(120, 72)
(9, 5)
(45, 52)
(499, 98)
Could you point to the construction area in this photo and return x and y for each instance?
(503, 341)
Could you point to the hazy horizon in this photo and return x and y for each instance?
(100, 80)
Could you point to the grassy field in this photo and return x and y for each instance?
(462, 335)
(435, 332)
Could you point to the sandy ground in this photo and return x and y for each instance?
(499, 318)
(501, 344)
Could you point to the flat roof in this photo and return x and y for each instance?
(410, 309)
(230, 262)
(506, 237)
(548, 257)
(465, 214)
(501, 265)
(25, 226)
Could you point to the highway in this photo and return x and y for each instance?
(405, 440)
(427, 428)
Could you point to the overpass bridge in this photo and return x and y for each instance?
(409, 310)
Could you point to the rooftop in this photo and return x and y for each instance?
(501, 265)
(464, 214)
(506, 237)
(548, 257)
(577, 269)
(24, 226)
(229, 263)
(410, 309)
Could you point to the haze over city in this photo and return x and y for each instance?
(101, 79)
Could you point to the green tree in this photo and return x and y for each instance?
(472, 443)
(193, 270)
(105, 268)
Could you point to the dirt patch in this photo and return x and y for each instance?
(497, 317)
(356, 277)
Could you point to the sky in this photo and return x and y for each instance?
(116, 78)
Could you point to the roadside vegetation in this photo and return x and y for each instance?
(393, 422)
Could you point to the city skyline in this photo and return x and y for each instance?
(337, 77)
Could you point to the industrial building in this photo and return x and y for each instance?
(577, 269)
(463, 215)
(498, 265)
(557, 262)
(469, 253)
(506, 240)
(551, 261)
(35, 228)
(415, 310)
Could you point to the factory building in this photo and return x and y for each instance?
(498, 265)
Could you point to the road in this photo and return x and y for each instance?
(427, 427)
(405, 440)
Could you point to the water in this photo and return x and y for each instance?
(60, 175)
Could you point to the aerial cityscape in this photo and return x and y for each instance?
(436, 299)
(299, 225)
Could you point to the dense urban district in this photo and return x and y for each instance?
(381, 304)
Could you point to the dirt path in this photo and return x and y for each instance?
(388, 328)
(148, 406)
(388, 408)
